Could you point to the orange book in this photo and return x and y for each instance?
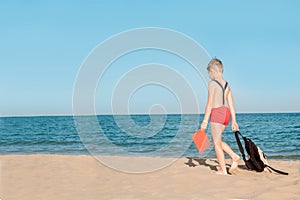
(201, 140)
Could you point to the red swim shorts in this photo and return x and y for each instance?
(220, 115)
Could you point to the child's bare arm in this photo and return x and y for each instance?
(208, 107)
(232, 111)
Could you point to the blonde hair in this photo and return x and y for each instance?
(217, 63)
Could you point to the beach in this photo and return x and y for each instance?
(84, 177)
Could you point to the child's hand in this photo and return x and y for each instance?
(234, 126)
(204, 125)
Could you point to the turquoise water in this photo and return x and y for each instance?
(278, 135)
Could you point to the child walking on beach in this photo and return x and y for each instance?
(219, 108)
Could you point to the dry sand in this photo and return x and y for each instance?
(83, 177)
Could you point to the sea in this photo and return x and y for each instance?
(277, 134)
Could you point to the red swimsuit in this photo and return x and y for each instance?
(221, 114)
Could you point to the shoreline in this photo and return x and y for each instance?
(269, 158)
(51, 176)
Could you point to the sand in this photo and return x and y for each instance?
(84, 177)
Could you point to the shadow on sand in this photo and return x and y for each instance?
(193, 162)
(211, 163)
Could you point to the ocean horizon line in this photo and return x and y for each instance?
(125, 114)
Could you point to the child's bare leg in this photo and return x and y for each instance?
(235, 158)
(216, 131)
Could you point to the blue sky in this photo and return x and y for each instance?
(43, 44)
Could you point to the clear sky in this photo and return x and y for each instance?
(43, 44)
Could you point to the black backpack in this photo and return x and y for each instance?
(256, 158)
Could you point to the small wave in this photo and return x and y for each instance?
(289, 150)
(41, 142)
(286, 157)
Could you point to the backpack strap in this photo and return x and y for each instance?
(240, 144)
(223, 89)
(276, 170)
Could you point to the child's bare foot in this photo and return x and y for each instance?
(235, 162)
(220, 172)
